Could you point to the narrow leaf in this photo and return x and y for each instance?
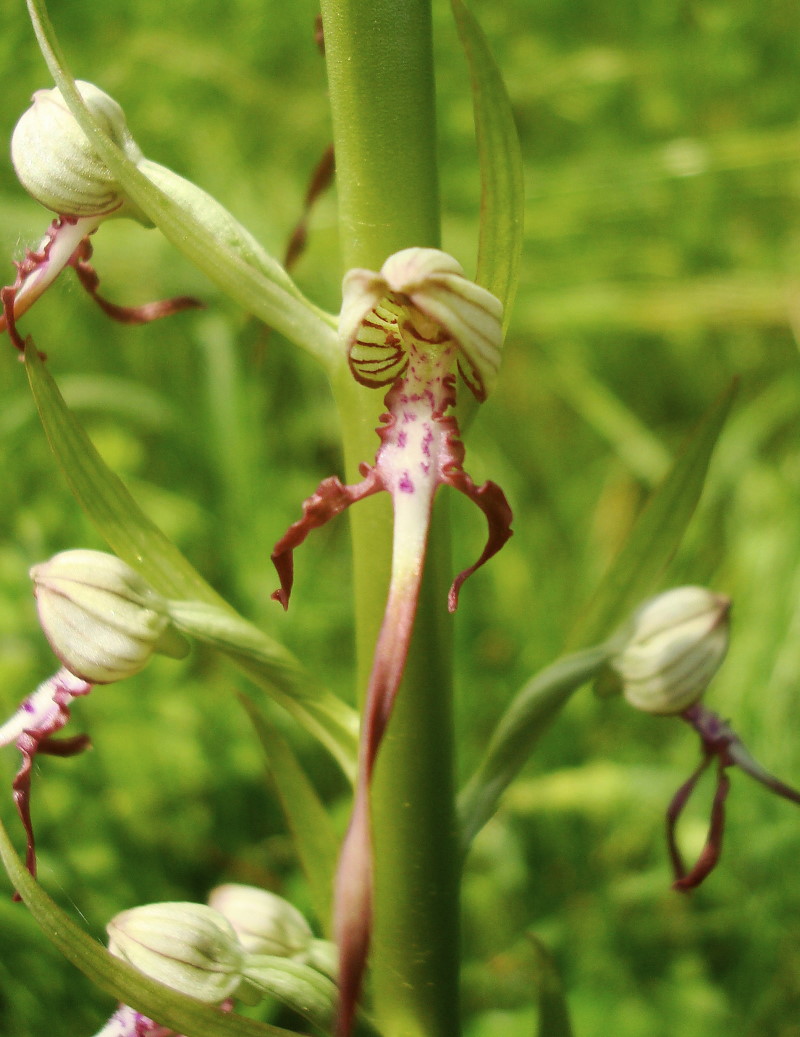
(502, 188)
(531, 712)
(128, 531)
(315, 839)
(657, 532)
(553, 1011)
(120, 980)
(197, 225)
(198, 608)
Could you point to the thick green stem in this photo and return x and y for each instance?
(416, 939)
(380, 74)
(380, 70)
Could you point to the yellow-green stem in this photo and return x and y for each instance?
(380, 69)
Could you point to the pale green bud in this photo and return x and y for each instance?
(672, 647)
(102, 619)
(56, 162)
(188, 947)
(264, 922)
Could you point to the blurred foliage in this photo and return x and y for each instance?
(662, 152)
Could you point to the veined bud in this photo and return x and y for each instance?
(189, 947)
(264, 922)
(102, 619)
(672, 647)
(56, 162)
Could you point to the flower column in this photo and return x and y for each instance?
(380, 70)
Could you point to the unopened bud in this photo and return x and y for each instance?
(102, 619)
(264, 922)
(56, 162)
(672, 647)
(188, 947)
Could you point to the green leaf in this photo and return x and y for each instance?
(129, 532)
(531, 712)
(553, 1011)
(196, 608)
(197, 225)
(121, 981)
(315, 839)
(500, 157)
(657, 533)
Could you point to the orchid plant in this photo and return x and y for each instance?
(414, 332)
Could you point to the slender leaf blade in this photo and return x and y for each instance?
(526, 719)
(120, 980)
(500, 158)
(101, 493)
(553, 1012)
(315, 839)
(657, 532)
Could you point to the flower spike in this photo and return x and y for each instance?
(409, 327)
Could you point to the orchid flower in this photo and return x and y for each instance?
(410, 327)
(664, 658)
(104, 622)
(57, 165)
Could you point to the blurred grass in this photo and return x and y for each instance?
(662, 152)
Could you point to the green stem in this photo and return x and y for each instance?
(416, 940)
(380, 70)
(380, 74)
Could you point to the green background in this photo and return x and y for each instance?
(662, 153)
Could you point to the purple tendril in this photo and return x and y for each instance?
(718, 742)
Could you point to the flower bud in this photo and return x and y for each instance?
(56, 162)
(672, 648)
(102, 619)
(188, 947)
(264, 922)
